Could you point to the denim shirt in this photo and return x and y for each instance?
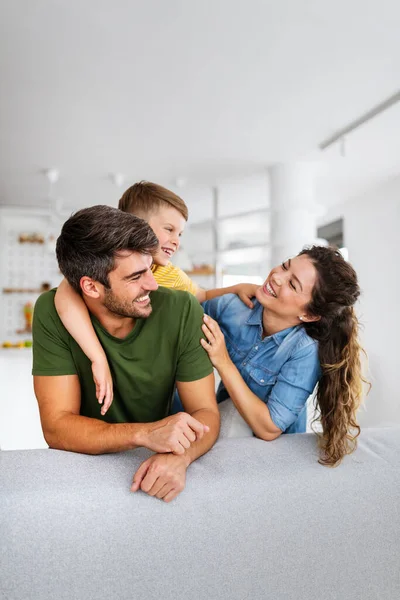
(281, 369)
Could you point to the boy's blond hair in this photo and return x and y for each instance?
(143, 198)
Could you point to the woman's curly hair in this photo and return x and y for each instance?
(340, 388)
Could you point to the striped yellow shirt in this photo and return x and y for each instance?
(174, 278)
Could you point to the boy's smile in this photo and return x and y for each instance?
(168, 224)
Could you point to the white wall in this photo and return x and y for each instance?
(372, 233)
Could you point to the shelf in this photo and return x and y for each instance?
(201, 273)
(22, 290)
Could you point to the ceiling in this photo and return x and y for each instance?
(208, 91)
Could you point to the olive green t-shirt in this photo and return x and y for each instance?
(160, 350)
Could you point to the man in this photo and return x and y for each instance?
(151, 339)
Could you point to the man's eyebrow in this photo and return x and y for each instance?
(132, 275)
(294, 276)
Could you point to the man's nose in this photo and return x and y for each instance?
(150, 283)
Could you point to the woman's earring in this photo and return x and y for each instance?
(301, 318)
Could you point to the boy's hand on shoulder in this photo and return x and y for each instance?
(246, 291)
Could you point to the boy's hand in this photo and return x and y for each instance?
(246, 291)
(104, 384)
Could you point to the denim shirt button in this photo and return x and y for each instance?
(261, 380)
(255, 347)
(244, 364)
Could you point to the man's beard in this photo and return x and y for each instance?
(126, 308)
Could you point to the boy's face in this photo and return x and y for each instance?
(168, 225)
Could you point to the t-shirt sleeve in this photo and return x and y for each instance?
(51, 351)
(183, 282)
(295, 383)
(193, 361)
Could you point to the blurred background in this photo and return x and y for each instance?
(278, 123)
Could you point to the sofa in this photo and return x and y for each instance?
(257, 520)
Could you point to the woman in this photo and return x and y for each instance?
(301, 331)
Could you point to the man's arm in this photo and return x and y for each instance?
(164, 475)
(59, 400)
(198, 399)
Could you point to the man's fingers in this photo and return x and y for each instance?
(178, 449)
(149, 480)
(196, 426)
(158, 485)
(163, 491)
(171, 495)
(190, 435)
(139, 475)
(184, 441)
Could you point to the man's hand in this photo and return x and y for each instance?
(173, 434)
(161, 475)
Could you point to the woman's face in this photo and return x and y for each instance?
(288, 288)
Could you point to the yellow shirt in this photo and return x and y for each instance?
(174, 278)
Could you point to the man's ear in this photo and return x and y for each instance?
(90, 287)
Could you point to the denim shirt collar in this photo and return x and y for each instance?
(255, 318)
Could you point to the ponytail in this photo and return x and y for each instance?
(339, 392)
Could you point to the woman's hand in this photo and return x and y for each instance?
(215, 345)
(104, 383)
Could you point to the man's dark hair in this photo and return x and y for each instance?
(92, 238)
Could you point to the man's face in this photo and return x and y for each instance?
(131, 283)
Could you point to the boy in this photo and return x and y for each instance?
(166, 213)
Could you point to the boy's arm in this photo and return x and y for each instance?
(75, 318)
(245, 291)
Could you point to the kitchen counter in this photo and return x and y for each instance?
(19, 414)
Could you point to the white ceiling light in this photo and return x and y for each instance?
(55, 204)
(180, 182)
(117, 179)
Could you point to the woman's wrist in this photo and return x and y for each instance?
(225, 367)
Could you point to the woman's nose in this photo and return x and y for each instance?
(276, 279)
